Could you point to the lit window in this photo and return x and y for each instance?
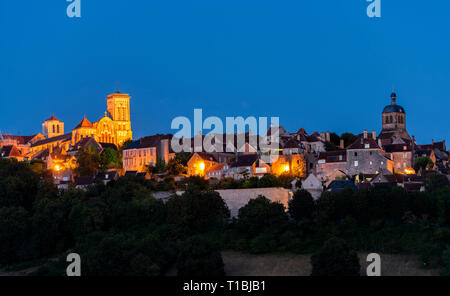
(356, 163)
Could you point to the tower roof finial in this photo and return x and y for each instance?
(393, 98)
(117, 87)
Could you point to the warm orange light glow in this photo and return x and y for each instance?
(410, 171)
(286, 168)
(202, 166)
(57, 168)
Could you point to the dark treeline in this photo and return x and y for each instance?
(121, 229)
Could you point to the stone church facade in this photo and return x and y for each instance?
(113, 128)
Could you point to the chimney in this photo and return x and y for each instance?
(328, 137)
(365, 134)
(342, 143)
(432, 142)
(374, 135)
(379, 143)
(414, 140)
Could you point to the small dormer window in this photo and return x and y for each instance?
(106, 176)
(366, 146)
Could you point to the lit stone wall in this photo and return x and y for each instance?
(237, 198)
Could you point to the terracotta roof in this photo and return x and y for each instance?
(53, 118)
(10, 151)
(216, 167)
(84, 123)
(20, 140)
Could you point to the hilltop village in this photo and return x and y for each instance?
(319, 160)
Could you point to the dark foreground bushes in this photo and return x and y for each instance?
(121, 229)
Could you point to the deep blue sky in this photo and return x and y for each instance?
(321, 65)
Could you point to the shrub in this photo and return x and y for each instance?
(199, 257)
(445, 259)
(302, 205)
(14, 224)
(335, 259)
(198, 211)
(261, 214)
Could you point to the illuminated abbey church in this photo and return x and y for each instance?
(113, 128)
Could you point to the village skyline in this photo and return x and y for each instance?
(314, 65)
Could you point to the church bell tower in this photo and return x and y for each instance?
(118, 106)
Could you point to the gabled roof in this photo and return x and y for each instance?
(339, 185)
(84, 123)
(364, 186)
(149, 142)
(85, 142)
(333, 156)
(422, 152)
(281, 131)
(53, 118)
(216, 167)
(435, 145)
(108, 145)
(397, 148)
(105, 176)
(245, 160)
(314, 137)
(84, 181)
(206, 156)
(292, 143)
(362, 142)
(64, 137)
(20, 140)
(10, 151)
(416, 186)
(42, 154)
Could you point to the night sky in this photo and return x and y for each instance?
(321, 65)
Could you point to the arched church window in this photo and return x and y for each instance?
(53, 128)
